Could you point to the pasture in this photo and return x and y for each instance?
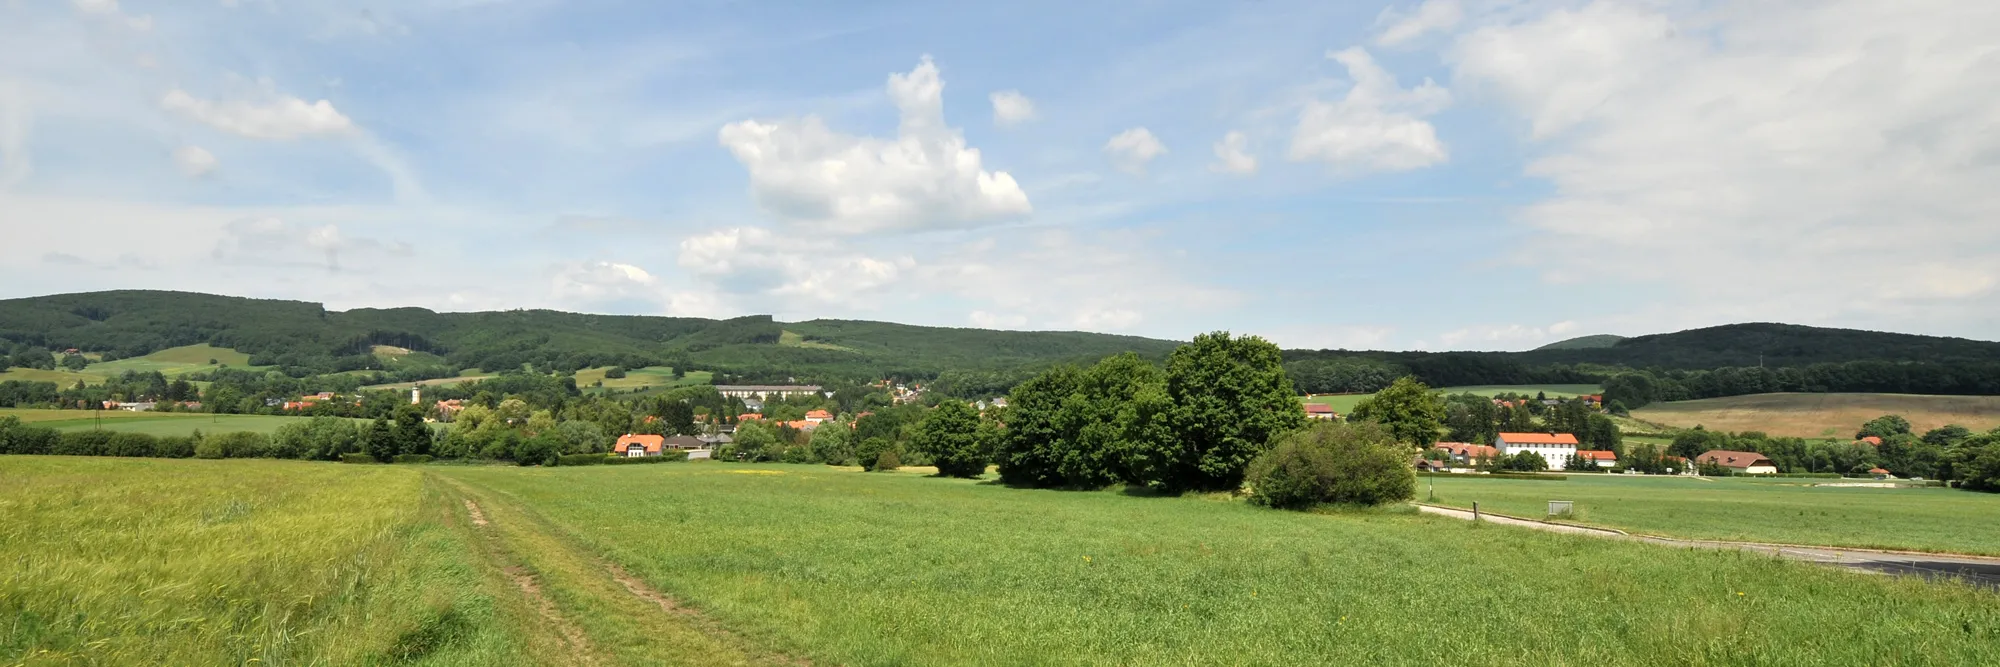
(467, 375)
(1552, 390)
(1342, 403)
(1823, 415)
(206, 562)
(1787, 510)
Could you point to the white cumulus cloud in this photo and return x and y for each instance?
(194, 161)
(1132, 149)
(1232, 155)
(755, 261)
(1433, 15)
(1010, 107)
(1377, 126)
(281, 118)
(109, 9)
(924, 178)
(1827, 162)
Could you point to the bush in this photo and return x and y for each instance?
(357, 457)
(238, 445)
(870, 450)
(131, 444)
(581, 459)
(174, 447)
(1333, 463)
(16, 438)
(82, 443)
(413, 458)
(889, 460)
(614, 372)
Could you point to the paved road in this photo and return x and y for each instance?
(1980, 571)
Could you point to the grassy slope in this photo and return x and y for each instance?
(123, 561)
(1823, 415)
(1751, 510)
(155, 423)
(171, 362)
(1344, 403)
(856, 568)
(639, 378)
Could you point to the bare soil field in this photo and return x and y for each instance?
(1823, 415)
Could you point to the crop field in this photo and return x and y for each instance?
(207, 562)
(130, 561)
(467, 375)
(1823, 415)
(151, 423)
(1342, 403)
(1787, 510)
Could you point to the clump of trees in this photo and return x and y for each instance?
(1193, 427)
(1361, 464)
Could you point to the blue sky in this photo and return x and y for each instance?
(1447, 174)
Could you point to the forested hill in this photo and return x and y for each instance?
(1770, 345)
(301, 336)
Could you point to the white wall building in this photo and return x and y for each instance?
(1556, 448)
(765, 390)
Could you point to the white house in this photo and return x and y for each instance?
(1556, 448)
(765, 390)
(1743, 463)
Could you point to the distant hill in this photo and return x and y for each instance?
(1770, 345)
(302, 336)
(1584, 342)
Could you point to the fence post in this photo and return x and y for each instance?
(1475, 512)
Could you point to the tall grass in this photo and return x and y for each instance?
(133, 561)
(855, 568)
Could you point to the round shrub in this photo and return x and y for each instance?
(132, 444)
(1333, 463)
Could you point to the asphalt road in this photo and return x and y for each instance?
(1984, 572)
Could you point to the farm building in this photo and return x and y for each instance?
(817, 416)
(1467, 453)
(1426, 465)
(1603, 458)
(1321, 411)
(1556, 448)
(1742, 463)
(1879, 473)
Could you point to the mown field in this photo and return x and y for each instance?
(151, 423)
(171, 362)
(638, 378)
(113, 561)
(1823, 415)
(1787, 510)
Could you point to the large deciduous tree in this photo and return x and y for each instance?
(1408, 408)
(951, 436)
(1229, 398)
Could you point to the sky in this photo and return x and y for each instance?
(1441, 174)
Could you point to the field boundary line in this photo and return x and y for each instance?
(1982, 558)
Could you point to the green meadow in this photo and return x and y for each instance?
(113, 561)
(1344, 403)
(150, 423)
(171, 362)
(637, 379)
(1787, 510)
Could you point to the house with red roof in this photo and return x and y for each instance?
(1742, 463)
(633, 445)
(749, 416)
(1873, 440)
(1601, 457)
(1879, 473)
(1556, 448)
(1468, 453)
(817, 416)
(1321, 411)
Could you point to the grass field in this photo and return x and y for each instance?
(1786, 510)
(638, 378)
(128, 562)
(467, 375)
(1823, 415)
(791, 339)
(151, 423)
(1342, 403)
(171, 362)
(110, 561)
(853, 568)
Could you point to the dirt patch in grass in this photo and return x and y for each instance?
(1823, 415)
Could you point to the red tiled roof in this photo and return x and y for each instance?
(1873, 440)
(651, 443)
(1538, 438)
(1597, 454)
(1877, 471)
(747, 416)
(1318, 408)
(1727, 458)
(1468, 450)
(819, 414)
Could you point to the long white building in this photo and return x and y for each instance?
(765, 390)
(1556, 448)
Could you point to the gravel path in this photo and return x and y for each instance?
(1980, 571)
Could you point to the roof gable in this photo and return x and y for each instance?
(1538, 438)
